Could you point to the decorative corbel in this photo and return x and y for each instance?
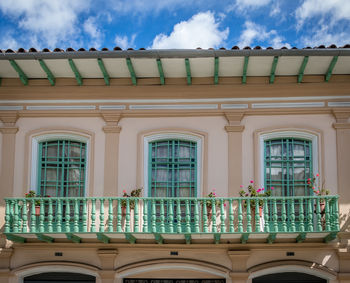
(9, 119)
(341, 116)
(234, 121)
(112, 119)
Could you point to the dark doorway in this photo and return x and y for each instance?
(289, 277)
(147, 280)
(60, 277)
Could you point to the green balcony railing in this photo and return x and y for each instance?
(172, 215)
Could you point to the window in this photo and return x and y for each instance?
(62, 168)
(173, 168)
(288, 164)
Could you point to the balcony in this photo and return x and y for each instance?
(172, 220)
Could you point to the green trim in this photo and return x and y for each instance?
(75, 71)
(103, 70)
(245, 69)
(103, 238)
(273, 69)
(301, 238)
(158, 237)
(330, 68)
(216, 70)
(73, 238)
(244, 238)
(15, 238)
(130, 238)
(188, 238)
(44, 238)
(131, 71)
(161, 72)
(330, 237)
(217, 237)
(302, 69)
(49, 74)
(271, 238)
(188, 71)
(22, 76)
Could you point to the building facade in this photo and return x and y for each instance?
(81, 130)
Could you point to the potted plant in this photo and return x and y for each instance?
(253, 192)
(134, 194)
(32, 194)
(318, 190)
(208, 203)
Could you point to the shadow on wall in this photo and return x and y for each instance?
(344, 220)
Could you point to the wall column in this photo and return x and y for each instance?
(239, 260)
(234, 130)
(8, 147)
(112, 131)
(107, 258)
(342, 127)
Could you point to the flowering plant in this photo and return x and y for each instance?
(134, 194)
(32, 194)
(212, 194)
(253, 192)
(314, 185)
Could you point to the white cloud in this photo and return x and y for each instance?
(50, 22)
(258, 34)
(243, 5)
(202, 30)
(336, 10)
(123, 41)
(90, 27)
(322, 35)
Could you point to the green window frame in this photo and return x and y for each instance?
(288, 163)
(62, 168)
(172, 168)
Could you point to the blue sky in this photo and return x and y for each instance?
(173, 23)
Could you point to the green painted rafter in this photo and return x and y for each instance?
(273, 69)
(330, 68)
(131, 71)
(271, 238)
(73, 238)
(188, 71)
(49, 74)
(158, 237)
(188, 238)
(44, 238)
(103, 238)
(244, 238)
(217, 237)
(131, 239)
(245, 69)
(103, 70)
(216, 70)
(302, 69)
(161, 72)
(22, 76)
(330, 237)
(76, 72)
(15, 238)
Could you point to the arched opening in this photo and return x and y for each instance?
(58, 277)
(288, 277)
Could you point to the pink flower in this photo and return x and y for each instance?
(258, 191)
(317, 174)
(224, 204)
(272, 188)
(124, 191)
(214, 194)
(309, 179)
(251, 181)
(262, 189)
(241, 186)
(318, 192)
(313, 188)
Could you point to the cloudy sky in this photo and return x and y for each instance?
(173, 23)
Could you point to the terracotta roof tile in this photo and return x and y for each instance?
(21, 50)
(117, 48)
(104, 49)
(235, 47)
(247, 48)
(332, 46)
(70, 49)
(46, 50)
(58, 50)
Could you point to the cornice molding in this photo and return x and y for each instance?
(9, 130)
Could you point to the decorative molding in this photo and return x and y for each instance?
(9, 130)
(234, 118)
(288, 105)
(234, 128)
(174, 107)
(11, 108)
(9, 118)
(112, 107)
(234, 106)
(339, 104)
(341, 116)
(112, 129)
(61, 107)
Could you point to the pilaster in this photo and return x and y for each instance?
(234, 131)
(239, 260)
(112, 130)
(107, 259)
